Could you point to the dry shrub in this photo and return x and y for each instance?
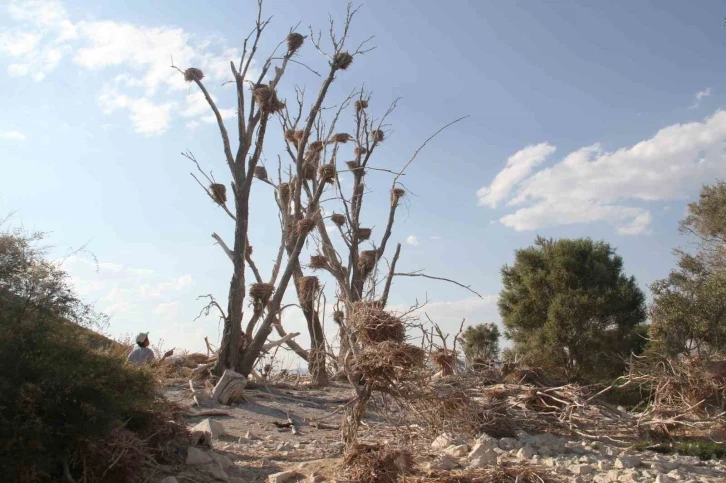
(387, 362)
(367, 261)
(261, 292)
(305, 226)
(327, 173)
(266, 98)
(197, 357)
(338, 219)
(342, 60)
(318, 262)
(307, 289)
(525, 376)
(373, 325)
(444, 360)
(193, 74)
(341, 137)
(360, 105)
(372, 463)
(364, 233)
(219, 193)
(294, 41)
(260, 173)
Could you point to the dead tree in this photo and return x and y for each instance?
(256, 107)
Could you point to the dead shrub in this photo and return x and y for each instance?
(373, 325)
(372, 463)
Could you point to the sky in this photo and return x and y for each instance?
(598, 119)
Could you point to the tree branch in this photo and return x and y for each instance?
(417, 274)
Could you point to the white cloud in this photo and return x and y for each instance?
(519, 166)
(412, 240)
(700, 95)
(167, 310)
(148, 118)
(594, 185)
(12, 136)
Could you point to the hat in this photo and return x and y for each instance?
(142, 337)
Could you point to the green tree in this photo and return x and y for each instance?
(569, 308)
(689, 306)
(481, 341)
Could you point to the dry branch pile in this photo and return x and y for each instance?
(367, 463)
(372, 324)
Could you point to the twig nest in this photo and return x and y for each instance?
(261, 292)
(318, 262)
(342, 60)
(363, 233)
(193, 74)
(444, 360)
(373, 325)
(338, 219)
(327, 173)
(294, 41)
(360, 150)
(367, 261)
(266, 98)
(387, 362)
(219, 193)
(360, 105)
(290, 136)
(378, 135)
(305, 226)
(316, 146)
(308, 170)
(341, 137)
(353, 165)
(284, 190)
(261, 173)
(338, 317)
(307, 289)
(397, 194)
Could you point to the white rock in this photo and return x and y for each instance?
(283, 477)
(483, 444)
(550, 462)
(444, 462)
(214, 428)
(507, 443)
(223, 461)
(583, 459)
(536, 459)
(676, 475)
(196, 456)
(457, 451)
(580, 469)
(625, 461)
(444, 440)
(525, 453)
(483, 459)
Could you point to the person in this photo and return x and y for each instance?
(142, 355)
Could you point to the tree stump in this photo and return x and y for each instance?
(230, 388)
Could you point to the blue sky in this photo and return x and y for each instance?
(598, 119)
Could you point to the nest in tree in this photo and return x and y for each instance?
(248, 252)
(367, 261)
(316, 146)
(388, 362)
(193, 74)
(363, 233)
(374, 325)
(338, 316)
(353, 165)
(294, 41)
(378, 135)
(305, 226)
(261, 173)
(372, 463)
(219, 193)
(342, 60)
(284, 190)
(307, 289)
(266, 98)
(359, 151)
(360, 105)
(318, 262)
(444, 360)
(397, 194)
(293, 136)
(338, 219)
(308, 170)
(327, 173)
(342, 137)
(261, 292)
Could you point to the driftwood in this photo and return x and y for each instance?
(230, 388)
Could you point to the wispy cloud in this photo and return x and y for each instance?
(700, 95)
(12, 136)
(591, 184)
(412, 240)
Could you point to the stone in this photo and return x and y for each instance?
(604, 465)
(625, 462)
(507, 443)
(457, 451)
(445, 462)
(550, 462)
(284, 447)
(196, 456)
(214, 428)
(283, 477)
(536, 459)
(615, 475)
(580, 469)
(555, 443)
(214, 469)
(483, 459)
(170, 479)
(483, 444)
(545, 451)
(223, 460)
(445, 440)
(525, 453)
(583, 459)
(610, 451)
(676, 475)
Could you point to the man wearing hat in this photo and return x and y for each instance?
(142, 355)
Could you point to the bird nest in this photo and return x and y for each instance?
(360, 105)
(307, 289)
(338, 219)
(261, 292)
(373, 463)
(293, 136)
(397, 194)
(359, 150)
(305, 226)
(364, 233)
(266, 98)
(318, 262)
(353, 165)
(373, 325)
(367, 261)
(378, 135)
(341, 137)
(327, 173)
(294, 41)
(316, 146)
(342, 60)
(387, 362)
(284, 190)
(260, 173)
(338, 317)
(308, 170)
(219, 193)
(193, 74)
(444, 360)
